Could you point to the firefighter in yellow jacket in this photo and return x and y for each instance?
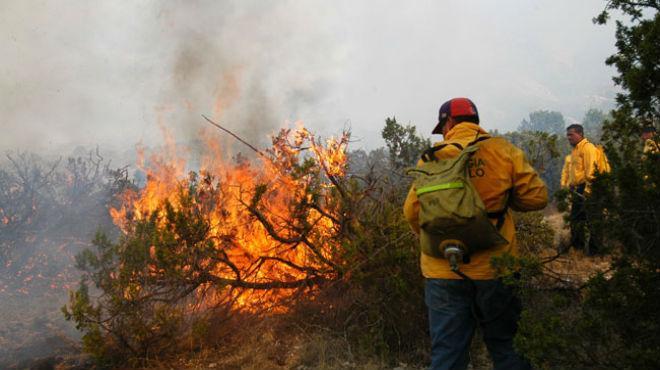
(650, 144)
(505, 181)
(586, 159)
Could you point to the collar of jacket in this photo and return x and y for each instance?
(465, 131)
(582, 143)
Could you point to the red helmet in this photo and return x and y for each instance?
(460, 109)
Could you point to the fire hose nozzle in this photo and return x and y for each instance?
(453, 254)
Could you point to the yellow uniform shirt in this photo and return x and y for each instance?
(584, 159)
(502, 176)
(650, 146)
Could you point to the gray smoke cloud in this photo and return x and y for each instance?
(108, 73)
(111, 74)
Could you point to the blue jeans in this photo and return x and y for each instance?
(456, 307)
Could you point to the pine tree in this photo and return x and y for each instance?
(613, 320)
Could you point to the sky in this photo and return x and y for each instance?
(114, 73)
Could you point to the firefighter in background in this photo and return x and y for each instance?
(565, 181)
(651, 148)
(650, 141)
(586, 159)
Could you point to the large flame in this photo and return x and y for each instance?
(263, 242)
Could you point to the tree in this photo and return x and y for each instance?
(638, 53)
(545, 121)
(612, 321)
(631, 190)
(593, 124)
(403, 143)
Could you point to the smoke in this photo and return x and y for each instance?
(110, 74)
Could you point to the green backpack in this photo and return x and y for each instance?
(452, 213)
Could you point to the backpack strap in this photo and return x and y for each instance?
(500, 216)
(478, 139)
(429, 154)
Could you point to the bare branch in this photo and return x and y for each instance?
(234, 136)
(301, 283)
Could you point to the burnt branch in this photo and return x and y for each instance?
(324, 213)
(290, 264)
(271, 229)
(301, 238)
(300, 283)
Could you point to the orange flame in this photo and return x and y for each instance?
(230, 209)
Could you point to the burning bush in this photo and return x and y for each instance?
(237, 235)
(292, 233)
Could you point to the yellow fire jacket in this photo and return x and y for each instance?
(503, 177)
(566, 173)
(584, 161)
(650, 146)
